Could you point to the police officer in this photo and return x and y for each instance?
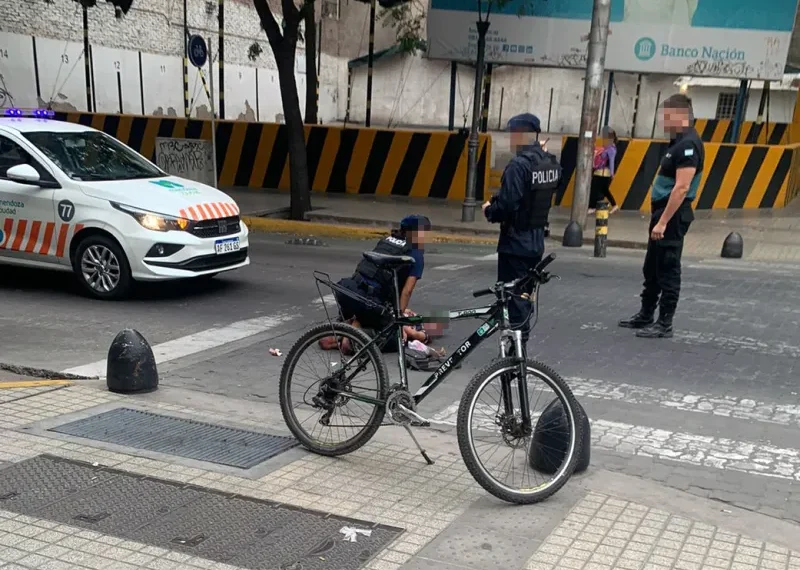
(674, 189)
(377, 285)
(521, 207)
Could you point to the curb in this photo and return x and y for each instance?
(33, 384)
(342, 230)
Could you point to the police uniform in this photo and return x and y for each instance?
(521, 207)
(377, 284)
(662, 264)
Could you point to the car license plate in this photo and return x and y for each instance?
(226, 245)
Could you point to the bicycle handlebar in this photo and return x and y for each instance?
(535, 273)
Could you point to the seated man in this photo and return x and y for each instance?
(377, 284)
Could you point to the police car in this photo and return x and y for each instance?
(74, 198)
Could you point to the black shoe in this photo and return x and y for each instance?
(658, 330)
(638, 321)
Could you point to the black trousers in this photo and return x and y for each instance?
(600, 188)
(662, 264)
(510, 267)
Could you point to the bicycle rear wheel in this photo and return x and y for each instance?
(314, 388)
(491, 406)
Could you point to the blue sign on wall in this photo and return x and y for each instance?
(198, 51)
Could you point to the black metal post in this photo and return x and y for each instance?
(349, 95)
(655, 115)
(550, 110)
(608, 97)
(739, 111)
(87, 59)
(487, 91)
(500, 115)
(451, 118)
(769, 98)
(319, 63)
(119, 91)
(468, 207)
(370, 61)
(185, 59)
(221, 41)
(636, 104)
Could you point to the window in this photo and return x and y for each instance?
(11, 154)
(93, 156)
(726, 105)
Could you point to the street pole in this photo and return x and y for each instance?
(451, 117)
(370, 61)
(593, 83)
(213, 114)
(185, 59)
(738, 114)
(606, 118)
(636, 105)
(468, 207)
(221, 17)
(487, 92)
(87, 64)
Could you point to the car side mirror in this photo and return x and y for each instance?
(27, 174)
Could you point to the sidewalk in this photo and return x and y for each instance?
(769, 235)
(72, 502)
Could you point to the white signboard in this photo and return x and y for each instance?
(187, 158)
(713, 38)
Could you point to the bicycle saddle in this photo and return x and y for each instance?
(388, 261)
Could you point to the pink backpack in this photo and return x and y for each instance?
(599, 159)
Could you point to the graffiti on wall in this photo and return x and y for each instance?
(186, 158)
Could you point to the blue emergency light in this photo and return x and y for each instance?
(38, 113)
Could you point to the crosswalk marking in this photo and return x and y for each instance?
(706, 451)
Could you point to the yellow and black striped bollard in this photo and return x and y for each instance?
(601, 229)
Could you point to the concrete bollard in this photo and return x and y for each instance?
(550, 439)
(131, 364)
(733, 246)
(601, 229)
(573, 235)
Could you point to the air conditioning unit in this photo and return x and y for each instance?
(330, 9)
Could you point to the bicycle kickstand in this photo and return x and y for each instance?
(428, 460)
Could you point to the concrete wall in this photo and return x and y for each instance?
(781, 105)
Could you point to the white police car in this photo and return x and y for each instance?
(74, 198)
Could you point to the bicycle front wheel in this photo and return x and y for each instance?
(317, 388)
(515, 463)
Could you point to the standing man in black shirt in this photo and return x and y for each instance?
(674, 189)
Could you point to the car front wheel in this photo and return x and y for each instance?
(102, 268)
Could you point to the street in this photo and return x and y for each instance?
(714, 411)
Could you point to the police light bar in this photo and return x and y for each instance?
(38, 113)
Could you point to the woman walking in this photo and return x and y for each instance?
(605, 156)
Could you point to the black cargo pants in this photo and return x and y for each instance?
(662, 263)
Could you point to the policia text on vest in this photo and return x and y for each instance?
(521, 207)
(674, 189)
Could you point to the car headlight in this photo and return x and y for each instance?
(153, 221)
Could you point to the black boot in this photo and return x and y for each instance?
(661, 329)
(640, 320)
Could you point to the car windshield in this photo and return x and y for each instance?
(93, 156)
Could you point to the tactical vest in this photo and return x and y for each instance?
(538, 196)
(368, 270)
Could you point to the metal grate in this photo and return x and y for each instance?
(176, 436)
(229, 529)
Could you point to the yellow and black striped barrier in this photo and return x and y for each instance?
(751, 132)
(430, 164)
(735, 176)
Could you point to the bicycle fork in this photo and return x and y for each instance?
(520, 355)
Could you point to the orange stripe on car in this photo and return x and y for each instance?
(217, 210)
(22, 228)
(228, 209)
(208, 212)
(182, 213)
(8, 227)
(62, 240)
(235, 208)
(193, 214)
(47, 239)
(34, 238)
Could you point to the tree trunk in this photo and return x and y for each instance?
(298, 160)
(312, 111)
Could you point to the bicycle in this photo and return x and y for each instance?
(510, 413)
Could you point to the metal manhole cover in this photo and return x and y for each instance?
(176, 436)
(231, 529)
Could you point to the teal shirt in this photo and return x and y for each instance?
(685, 151)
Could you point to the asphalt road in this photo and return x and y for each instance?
(714, 411)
